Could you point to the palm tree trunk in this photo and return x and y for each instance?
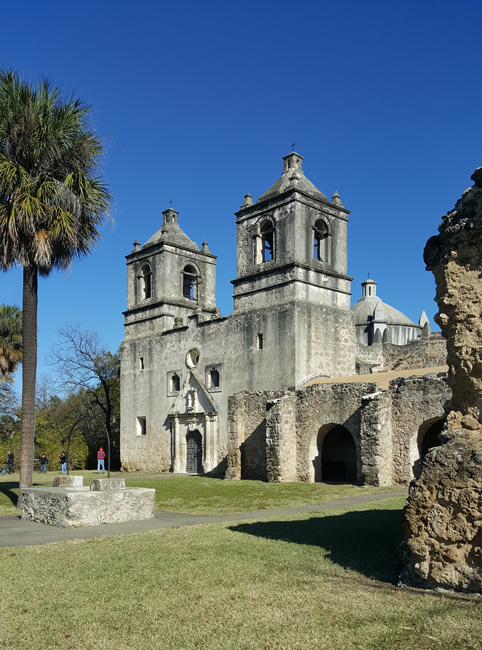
(29, 373)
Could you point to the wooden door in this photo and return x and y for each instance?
(194, 452)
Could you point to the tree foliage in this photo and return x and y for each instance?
(10, 339)
(52, 205)
(88, 370)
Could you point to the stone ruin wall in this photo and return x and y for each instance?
(273, 436)
(247, 434)
(323, 404)
(376, 437)
(443, 516)
(429, 351)
(415, 401)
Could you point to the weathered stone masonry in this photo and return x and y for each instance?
(443, 517)
(289, 430)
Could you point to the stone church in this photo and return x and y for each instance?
(287, 387)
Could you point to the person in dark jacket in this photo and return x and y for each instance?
(43, 464)
(63, 462)
(10, 459)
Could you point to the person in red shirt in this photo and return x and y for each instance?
(100, 460)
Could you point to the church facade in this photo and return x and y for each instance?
(291, 323)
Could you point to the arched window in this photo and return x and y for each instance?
(145, 277)
(267, 231)
(213, 378)
(175, 383)
(189, 282)
(321, 241)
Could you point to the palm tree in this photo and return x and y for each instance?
(51, 205)
(10, 339)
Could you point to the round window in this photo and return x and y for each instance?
(192, 358)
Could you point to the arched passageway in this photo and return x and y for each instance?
(337, 455)
(427, 438)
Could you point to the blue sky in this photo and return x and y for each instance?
(199, 101)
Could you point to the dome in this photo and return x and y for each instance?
(370, 308)
(365, 308)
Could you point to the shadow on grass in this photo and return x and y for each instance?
(7, 490)
(364, 541)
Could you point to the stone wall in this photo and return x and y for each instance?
(429, 351)
(278, 436)
(281, 440)
(375, 436)
(320, 406)
(443, 517)
(247, 457)
(415, 401)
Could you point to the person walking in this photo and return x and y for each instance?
(43, 464)
(63, 462)
(100, 460)
(4, 467)
(10, 459)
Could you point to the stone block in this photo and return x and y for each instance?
(106, 484)
(68, 481)
(74, 508)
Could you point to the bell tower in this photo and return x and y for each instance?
(169, 278)
(292, 287)
(292, 244)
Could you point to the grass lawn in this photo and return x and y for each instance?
(204, 496)
(323, 580)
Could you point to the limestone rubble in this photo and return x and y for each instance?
(443, 517)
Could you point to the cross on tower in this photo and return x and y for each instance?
(368, 275)
(293, 146)
(170, 202)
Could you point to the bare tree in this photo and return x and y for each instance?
(83, 363)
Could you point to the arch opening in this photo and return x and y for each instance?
(267, 231)
(337, 456)
(427, 439)
(320, 251)
(190, 283)
(146, 284)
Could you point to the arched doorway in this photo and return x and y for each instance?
(430, 438)
(194, 452)
(427, 438)
(337, 455)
